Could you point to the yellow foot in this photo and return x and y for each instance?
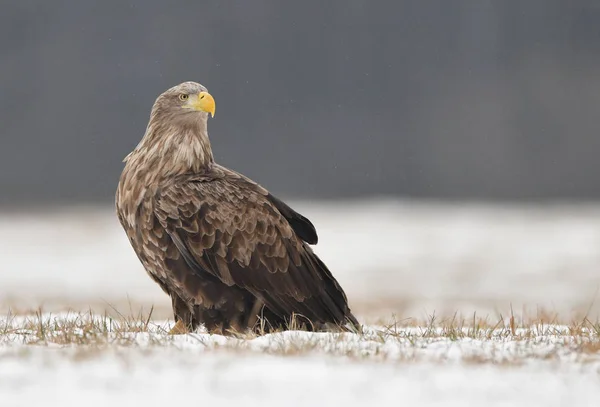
(179, 329)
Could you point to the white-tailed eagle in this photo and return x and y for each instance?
(229, 254)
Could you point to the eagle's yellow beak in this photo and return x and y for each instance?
(203, 102)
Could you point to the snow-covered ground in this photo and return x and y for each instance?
(410, 258)
(417, 366)
(405, 366)
(46, 377)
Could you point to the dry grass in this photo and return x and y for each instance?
(507, 340)
(76, 328)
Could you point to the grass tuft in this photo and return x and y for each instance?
(472, 339)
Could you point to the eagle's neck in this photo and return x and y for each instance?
(182, 148)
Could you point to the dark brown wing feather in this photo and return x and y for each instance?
(232, 229)
(302, 226)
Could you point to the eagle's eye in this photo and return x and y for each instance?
(183, 96)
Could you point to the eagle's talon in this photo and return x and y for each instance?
(179, 329)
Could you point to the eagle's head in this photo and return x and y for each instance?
(176, 138)
(186, 102)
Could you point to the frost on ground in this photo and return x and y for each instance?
(64, 359)
(527, 277)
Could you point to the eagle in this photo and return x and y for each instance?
(231, 256)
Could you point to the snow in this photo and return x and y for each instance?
(174, 379)
(414, 259)
(299, 368)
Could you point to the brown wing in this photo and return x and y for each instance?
(230, 228)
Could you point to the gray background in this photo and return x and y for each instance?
(440, 99)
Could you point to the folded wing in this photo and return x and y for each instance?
(232, 229)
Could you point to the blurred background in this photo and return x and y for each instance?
(446, 151)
